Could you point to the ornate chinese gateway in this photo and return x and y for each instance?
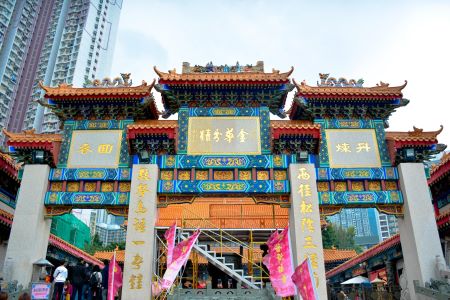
(222, 164)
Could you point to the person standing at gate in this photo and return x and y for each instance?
(105, 275)
(60, 277)
(95, 281)
(78, 279)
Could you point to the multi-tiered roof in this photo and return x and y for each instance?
(224, 86)
(107, 99)
(345, 99)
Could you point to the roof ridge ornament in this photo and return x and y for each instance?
(326, 81)
(419, 131)
(122, 81)
(211, 68)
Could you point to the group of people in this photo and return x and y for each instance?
(24, 296)
(81, 283)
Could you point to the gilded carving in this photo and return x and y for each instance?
(322, 186)
(56, 187)
(73, 186)
(357, 186)
(224, 161)
(57, 210)
(107, 187)
(262, 175)
(391, 185)
(167, 175)
(374, 186)
(223, 175)
(390, 209)
(168, 186)
(90, 186)
(245, 175)
(277, 161)
(395, 197)
(340, 186)
(124, 186)
(123, 198)
(224, 186)
(201, 175)
(184, 175)
(170, 161)
(279, 175)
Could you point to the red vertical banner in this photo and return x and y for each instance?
(304, 281)
(170, 235)
(279, 263)
(114, 278)
(180, 256)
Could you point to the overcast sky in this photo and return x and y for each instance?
(382, 40)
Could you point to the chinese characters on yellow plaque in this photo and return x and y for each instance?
(94, 149)
(224, 135)
(304, 223)
(357, 148)
(140, 233)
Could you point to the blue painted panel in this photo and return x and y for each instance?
(225, 161)
(90, 174)
(87, 199)
(360, 198)
(388, 173)
(236, 186)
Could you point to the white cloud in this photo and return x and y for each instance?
(379, 40)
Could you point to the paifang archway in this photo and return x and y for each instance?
(115, 153)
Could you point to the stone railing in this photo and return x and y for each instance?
(435, 289)
(14, 290)
(238, 293)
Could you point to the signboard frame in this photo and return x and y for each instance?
(195, 150)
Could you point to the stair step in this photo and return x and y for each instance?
(229, 268)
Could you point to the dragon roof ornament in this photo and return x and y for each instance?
(325, 80)
(211, 68)
(122, 81)
(417, 134)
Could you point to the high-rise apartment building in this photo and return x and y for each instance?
(110, 233)
(388, 226)
(104, 217)
(365, 222)
(17, 21)
(52, 41)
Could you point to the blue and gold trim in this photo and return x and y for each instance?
(388, 173)
(225, 161)
(360, 198)
(237, 186)
(121, 174)
(87, 199)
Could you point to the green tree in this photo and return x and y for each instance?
(96, 245)
(337, 237)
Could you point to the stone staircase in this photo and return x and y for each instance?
(228, 268)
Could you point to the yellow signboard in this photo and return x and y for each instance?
(352, 148)
(94, 149)
(224, 135)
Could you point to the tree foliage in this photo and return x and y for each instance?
(340, 238)
(96, 245)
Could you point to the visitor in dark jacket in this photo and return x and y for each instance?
(105, 273)
(78, 280)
